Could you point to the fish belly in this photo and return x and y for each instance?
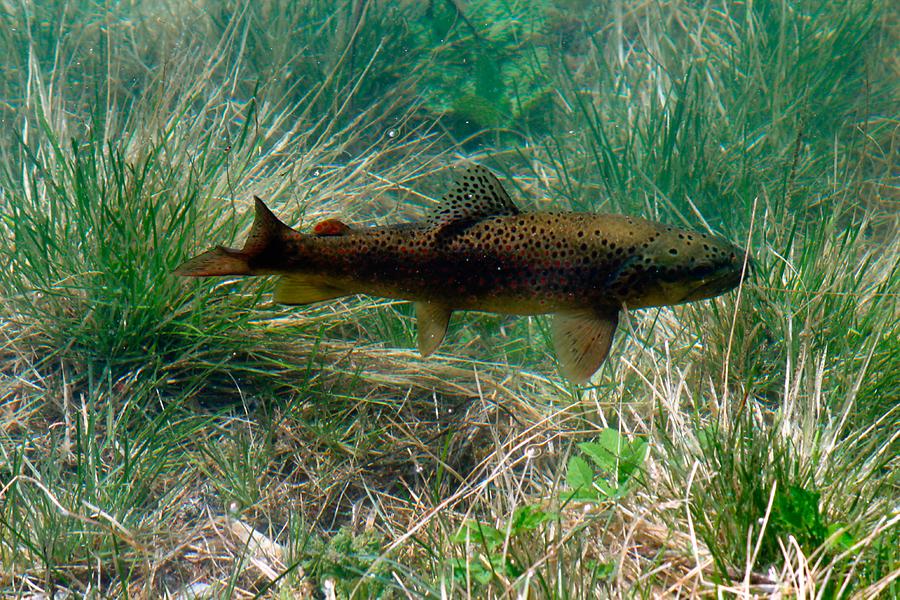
(487, 287)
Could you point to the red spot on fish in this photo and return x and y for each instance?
(331, 227)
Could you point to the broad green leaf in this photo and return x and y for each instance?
(601, 570)
(579, 474)
(599, 455)
(843, 540)
(632, 459)
(529, 517)
(473, 532)
(606, 449)
(502, 564)
(602, 488)
(799, 509)
(474, 568)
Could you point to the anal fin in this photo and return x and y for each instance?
(296, 289)
(582, 340)
(431, 320)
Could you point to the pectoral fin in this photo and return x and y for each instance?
(582, 340)
(302, 290)
(432, 320)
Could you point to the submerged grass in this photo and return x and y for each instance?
(163, 437)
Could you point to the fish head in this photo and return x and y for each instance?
(683, 266)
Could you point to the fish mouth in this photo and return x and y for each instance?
(714, 285)
(722, 278)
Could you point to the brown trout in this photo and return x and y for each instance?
(477, 251)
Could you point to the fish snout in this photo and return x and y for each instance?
(742, 258)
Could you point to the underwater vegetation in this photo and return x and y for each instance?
(170, 437)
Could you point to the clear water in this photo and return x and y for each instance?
(134, 135)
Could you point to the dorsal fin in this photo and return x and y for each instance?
(475, 194)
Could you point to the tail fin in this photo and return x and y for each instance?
(218, 261)
(265, 238)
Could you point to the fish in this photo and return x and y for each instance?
(477, 251)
